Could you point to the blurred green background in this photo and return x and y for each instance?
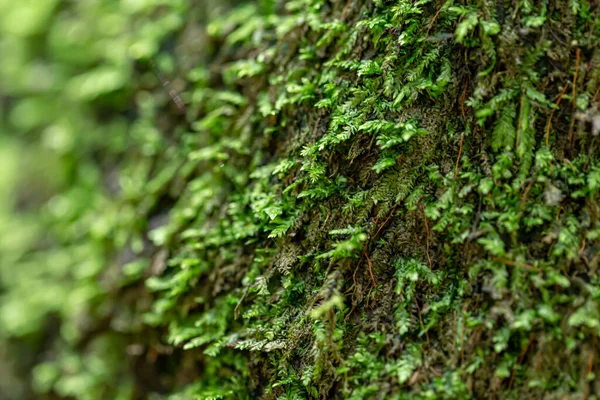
(93, 156)
(78, 137)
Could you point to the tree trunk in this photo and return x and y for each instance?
(380, 199)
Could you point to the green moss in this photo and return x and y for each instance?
(389, 199)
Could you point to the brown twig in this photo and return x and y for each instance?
(427, 239)
(370, 269)
(237, 306)
(462, 339)
(574, 94)
(455, 320)
(345, 10)
(463, 99)
(460, 146)
(366, 248)
(521, 358)
(524, 198)
(364, 253)
(354, 274)
(548, 126)
(421, 322)
(327, 217)
(437, 14)
(430, 26)
(516, 264)
(385, 222)
(590, 366)
(558, 212)
(577, 61)
(519, 120)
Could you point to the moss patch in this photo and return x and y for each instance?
(359, 200)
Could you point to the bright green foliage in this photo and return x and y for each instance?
(387, 199)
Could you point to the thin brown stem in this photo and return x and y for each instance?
(427, 239)
(516, 264)
(370, 269)
(345, 10)
(430, 26)
(460, 148)
(521, 358)
(519, 120)
(463, 99)
(549, 125)
(421, 322)
(574, 95)
(524, 199)
(237, 306)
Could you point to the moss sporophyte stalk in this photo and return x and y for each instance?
(301, 199)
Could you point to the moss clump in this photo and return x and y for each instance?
(360, 200)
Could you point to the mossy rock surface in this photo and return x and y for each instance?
(302, 199)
